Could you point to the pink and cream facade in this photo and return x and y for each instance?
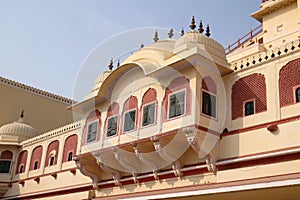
(181, 118)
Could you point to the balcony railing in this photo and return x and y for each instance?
(253, 33)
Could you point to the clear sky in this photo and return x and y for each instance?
(44, 43)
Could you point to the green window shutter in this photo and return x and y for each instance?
(129, 122)
(148, 114)
(92, 132)
(177, 104)
(209, 104)
(112, 126)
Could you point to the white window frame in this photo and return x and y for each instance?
(107, 126)
(155, 114)
(127, 111)
(254, 107)
(69, 154)
(87, 129)
(185, 102)
(34, 164)
(210, 93)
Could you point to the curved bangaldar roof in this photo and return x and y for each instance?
(17, 131)
(163, 53)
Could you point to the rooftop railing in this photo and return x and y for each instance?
(253, 33)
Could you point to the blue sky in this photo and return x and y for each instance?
(44, 43)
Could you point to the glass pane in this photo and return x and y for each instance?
(249, 108)
(5, 166)
(148, 114)
(112, 125)
(129, 123)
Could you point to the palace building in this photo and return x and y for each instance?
(178, 119)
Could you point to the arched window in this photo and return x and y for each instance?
(112, 120)
(70, 147)
(36, 156)
(209, 97)
(249, 108)
(246, 89)
(297, 93)
(130, 114)
(177, 99)
(70, 156)
(148, 108)
(289, 81)
(52, 153)
(21, 162)
(5, 161)
(92, 127)
(36, 165)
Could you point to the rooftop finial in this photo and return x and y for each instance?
(142, 45)
(207, 31)
(22, 114)
(110, 66)
(118, 64)
(170, 34)
(155, 39)
(182, 32)
(192, 25)
(200, 27)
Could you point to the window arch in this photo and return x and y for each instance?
(52, 153)
(70, 147)
(177, 99)
(112, 120)
(252, 87)
(130, 114)
(148, 108)
(36, 157)
(92, 127)
(289, 79)
(5, 161)
(209, 97)
(22, 159)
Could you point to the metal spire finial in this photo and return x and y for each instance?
(22, 114)
(110, 66)
(182, 32)
(142, 45)
(207, 31)
(192, 25)
(200, 27)
(155, 39)
(170, 34)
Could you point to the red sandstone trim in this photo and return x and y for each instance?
(260, 126)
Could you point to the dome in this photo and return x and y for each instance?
(17, 131)
(98, 82)
(194, 38)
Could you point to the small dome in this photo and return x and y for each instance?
(17, 131)
(98, 82)
(194, 38)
